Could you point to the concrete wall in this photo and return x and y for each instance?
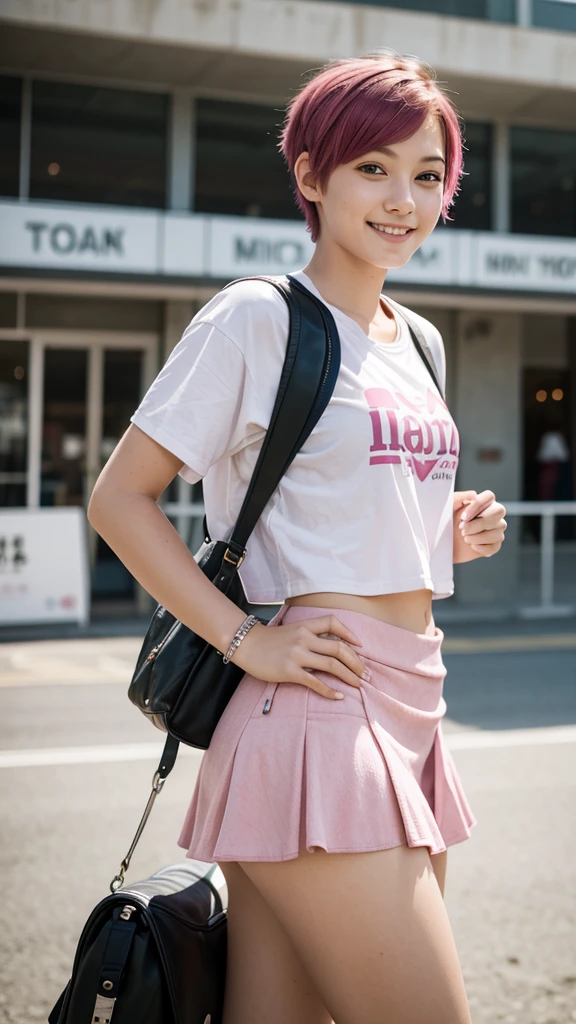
(488, 411)
(177, 315)
(303, 28)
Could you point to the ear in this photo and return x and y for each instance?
(305, 178)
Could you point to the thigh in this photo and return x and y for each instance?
(439, 862)
(265, 979)
(373, 933)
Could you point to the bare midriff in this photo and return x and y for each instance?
(411, 610)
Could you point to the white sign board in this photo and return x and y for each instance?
(44, 568)
(183, 244)
(240, 246)
(188, 245)
(520, 262)
(68, 237)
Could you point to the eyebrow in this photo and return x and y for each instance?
(390, 152)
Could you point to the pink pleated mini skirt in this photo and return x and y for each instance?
(289, 771)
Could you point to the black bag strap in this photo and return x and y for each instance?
(114, 961)
(308, 377)
(165, 766)
(420, 342)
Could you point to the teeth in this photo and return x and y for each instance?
(390, 231)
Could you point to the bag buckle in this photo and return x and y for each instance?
(235, 559)
(103, 1010)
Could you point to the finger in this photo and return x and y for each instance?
(481, 524)
(330, 624)
(462, 498)
(333, 667)
(480, 504)
(486, 550)
(487, 537)
(307, 678)
(335, 648)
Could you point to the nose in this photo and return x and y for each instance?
(399, 198)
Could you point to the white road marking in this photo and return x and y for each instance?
(40, 758)
(486, 739)
(473, 739)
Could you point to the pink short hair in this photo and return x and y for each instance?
(362, 103)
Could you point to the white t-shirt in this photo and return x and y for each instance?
(367, 505)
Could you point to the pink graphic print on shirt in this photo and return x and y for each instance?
(420, 432)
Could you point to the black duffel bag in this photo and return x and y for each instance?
(152, 953)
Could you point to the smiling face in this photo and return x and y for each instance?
(380, 207)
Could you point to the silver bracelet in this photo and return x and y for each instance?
(239, 635)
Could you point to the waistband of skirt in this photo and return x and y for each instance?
(381, 641)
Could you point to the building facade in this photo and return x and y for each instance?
(139, 172)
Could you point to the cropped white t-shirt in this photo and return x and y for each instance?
(367, 505)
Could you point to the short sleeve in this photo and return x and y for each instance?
(200, 407)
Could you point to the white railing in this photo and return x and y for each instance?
(547, 510)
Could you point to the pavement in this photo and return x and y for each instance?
(76, 761)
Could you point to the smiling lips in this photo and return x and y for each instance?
(391, 232)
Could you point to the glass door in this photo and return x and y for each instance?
(14, 422)
(88, 394)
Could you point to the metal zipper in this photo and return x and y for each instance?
(155, 650)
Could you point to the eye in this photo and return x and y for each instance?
(370, 168)
(431, 176)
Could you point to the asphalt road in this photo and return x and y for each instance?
(76, 761)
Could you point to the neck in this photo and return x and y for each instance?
(349, 284)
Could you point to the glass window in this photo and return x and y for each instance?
(239, 169)
(492, 10)
(543, 181)
(96, 145)
(560, 14)
(10, 110)
(13, 422)
(472, 207)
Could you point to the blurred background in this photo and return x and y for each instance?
(139, 173)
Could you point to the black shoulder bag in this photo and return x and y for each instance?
(180, 682)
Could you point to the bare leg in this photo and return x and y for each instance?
(372, 931)
(439, 862)
(266, 982)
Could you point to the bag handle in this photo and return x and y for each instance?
(162, 772)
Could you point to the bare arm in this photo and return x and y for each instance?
(123, 510)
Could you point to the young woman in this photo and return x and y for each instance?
(327, 795)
